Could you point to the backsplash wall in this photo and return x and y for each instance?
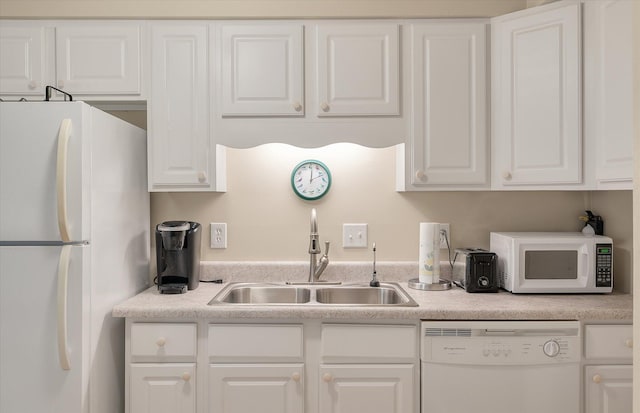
(266, 221)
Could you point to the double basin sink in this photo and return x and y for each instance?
(319, 294)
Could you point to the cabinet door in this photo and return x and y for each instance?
(358, 69)
(609, 89)
(262, 69)
(265, 388)
(608, 389)
(536, 99)
(449, 140)
(385, 388)
(24, 67)
(162, 388)
(99, 59)
(178, 113)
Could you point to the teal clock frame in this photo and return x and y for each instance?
(293, 173)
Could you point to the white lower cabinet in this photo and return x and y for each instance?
(255, 367)
(368, 368)
(371, 388)
(608, 375)
(298, 367)
(162, 373)
(265, 388)
(608, 389)
(163, 388)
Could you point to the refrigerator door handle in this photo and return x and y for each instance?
(61, 179)
(63, 276)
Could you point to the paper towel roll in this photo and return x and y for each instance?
(429, 261)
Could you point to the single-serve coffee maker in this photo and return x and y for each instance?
(178, 256)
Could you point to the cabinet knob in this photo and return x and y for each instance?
(421, 176)
(161, 342)
(202, 177)
(325, 107)
(61, 84)
(629, 343)
(295, 376)
(327, 377)
(33, 84)
(596, 378)
(297, 106)
(506, 175)
(186, 376)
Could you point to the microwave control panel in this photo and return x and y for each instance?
(604, 264)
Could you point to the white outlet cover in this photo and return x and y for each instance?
(218, 235)
(354, 236)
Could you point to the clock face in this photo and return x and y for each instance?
(311, 179)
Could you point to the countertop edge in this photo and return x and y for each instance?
(454, 304)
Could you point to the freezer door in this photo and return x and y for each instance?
(31, 170)
(31, 378)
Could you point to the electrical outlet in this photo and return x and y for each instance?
(219, 235)
(354, 235)
(445, 236)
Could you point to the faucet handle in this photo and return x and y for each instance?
(327, 244)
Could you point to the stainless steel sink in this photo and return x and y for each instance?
(264, 294)
(360, 296)
(319, 294)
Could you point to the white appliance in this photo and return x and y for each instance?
(553, 262)
(74, 241)
(500, 366)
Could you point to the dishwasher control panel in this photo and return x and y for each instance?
(501, 342)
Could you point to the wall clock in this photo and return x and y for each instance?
(311, 179)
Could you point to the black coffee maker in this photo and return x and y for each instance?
(178, 256)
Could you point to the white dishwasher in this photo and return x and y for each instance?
(500, 366)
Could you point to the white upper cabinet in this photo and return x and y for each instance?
(449, 147)
(262, 69)
(536, 98)
(609, 92)
(99, 60)
(181, 155)
(24, 65)
(358, 69)
(309, 83)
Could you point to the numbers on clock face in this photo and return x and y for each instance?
(311, 180)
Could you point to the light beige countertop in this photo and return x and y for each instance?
(454, 304)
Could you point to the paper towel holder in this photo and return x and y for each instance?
(441, 285)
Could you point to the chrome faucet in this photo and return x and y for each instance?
(316, 267)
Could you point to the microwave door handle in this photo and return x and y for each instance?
(585, 263)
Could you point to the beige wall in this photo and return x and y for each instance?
(201, 9)
(267, 222)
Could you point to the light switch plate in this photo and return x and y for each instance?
(218, 235)
(354, 235)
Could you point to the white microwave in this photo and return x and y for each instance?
(553, 262)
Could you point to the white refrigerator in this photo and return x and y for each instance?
(74, 241)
